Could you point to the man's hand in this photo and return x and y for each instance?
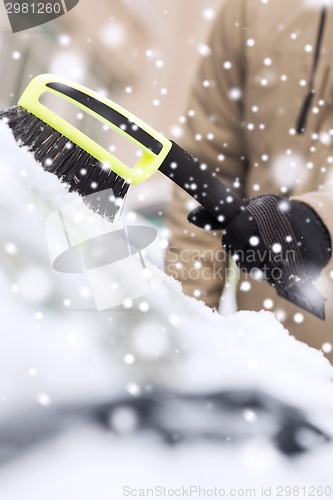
(275, 239)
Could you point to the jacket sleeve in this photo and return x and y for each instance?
(213, 130)
(213, 134)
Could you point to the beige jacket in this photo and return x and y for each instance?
(243, 113)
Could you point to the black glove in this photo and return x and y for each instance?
(275, 239)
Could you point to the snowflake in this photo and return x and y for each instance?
(268, 303)
(208, 13)
(133, 389)
(113, 35)
(204, 49)
(64, 40)
(250, 416)
(245, 286)
(123, 420)
(235, 94)
(327, 347)
(276, 248)
(144, 306)
(129, 359)
(254, 241)
(44, 399)
(298, 318)
(10, 248)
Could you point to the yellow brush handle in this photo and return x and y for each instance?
(149, 161)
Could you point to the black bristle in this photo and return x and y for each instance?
(82, 172)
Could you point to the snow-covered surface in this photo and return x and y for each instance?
(50, 356)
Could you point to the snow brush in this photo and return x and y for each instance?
(87, 167)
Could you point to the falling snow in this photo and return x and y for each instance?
(52, 354)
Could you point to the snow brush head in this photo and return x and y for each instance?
(73, 156)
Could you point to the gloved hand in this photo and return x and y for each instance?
(275, 239)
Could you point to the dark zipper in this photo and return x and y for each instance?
(304, 113)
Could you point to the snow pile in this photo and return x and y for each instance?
(251, 349)
(49, 356)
